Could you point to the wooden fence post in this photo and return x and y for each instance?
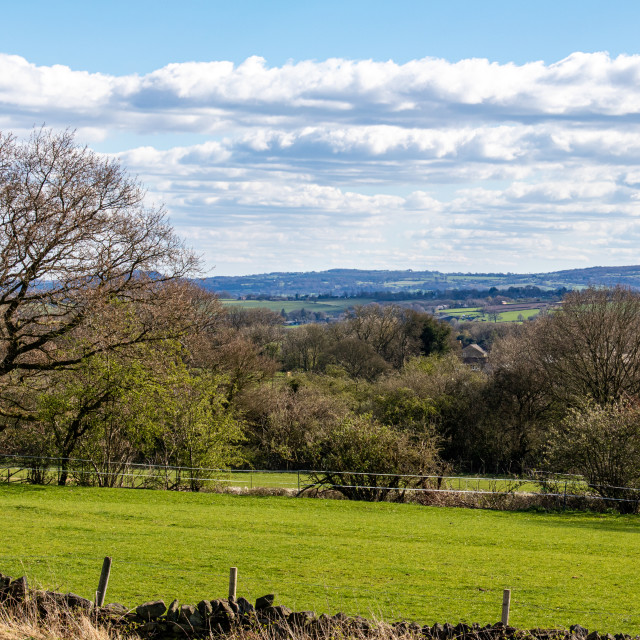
(233, 583)
(104, 581)
(506, 604)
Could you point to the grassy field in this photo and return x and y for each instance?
(329, 305)
(390, 560)
(474, 314)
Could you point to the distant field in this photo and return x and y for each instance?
(471, 314)
(390, 560)
(334, 306)
(330, 305)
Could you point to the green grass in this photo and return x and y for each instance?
(390, 560)
(328, 305)
(513, 316)
(475, 314)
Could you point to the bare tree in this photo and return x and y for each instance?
(590, 347)
(77, 243)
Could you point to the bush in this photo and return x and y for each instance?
(602, 443)
(357, 450)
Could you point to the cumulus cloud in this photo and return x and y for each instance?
(311, 165)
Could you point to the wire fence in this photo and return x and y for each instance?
(565, 490)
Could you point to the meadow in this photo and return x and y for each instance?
(331, 306)
(467, 314)
(389, 560)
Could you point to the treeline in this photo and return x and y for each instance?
(528, 292)
(103, 358)
(383, 391)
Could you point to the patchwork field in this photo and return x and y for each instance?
(390, 560)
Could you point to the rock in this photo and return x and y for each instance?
(265, 601)
(324, 621)
(579, 631)
(277, 613)
(302, 618)
(594, 635)
(461, 628)
(18, 589)
(115, 608)
(205, 609)
(173, 611)
(196, 620)
(74, 601)
(220, 626)
(50, 600)
(179, 629)
(186, 610)
(5, 581)
(224, 610)
(244, 606)
(151, 610)
(362, 624)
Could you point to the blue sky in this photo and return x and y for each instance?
(460, 136)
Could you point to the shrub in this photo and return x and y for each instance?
(603, 444)
(357, 450)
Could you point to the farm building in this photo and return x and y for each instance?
(475, 356)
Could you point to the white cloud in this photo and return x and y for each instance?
(364, 163)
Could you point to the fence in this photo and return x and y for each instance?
(564, 489)
(517, 607)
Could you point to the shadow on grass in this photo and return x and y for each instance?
(609, 521)
(21, 488)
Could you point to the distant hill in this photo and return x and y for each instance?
(350, 282)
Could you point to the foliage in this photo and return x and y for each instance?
(127, 405)
(358, 448)
(285, 422)
(519, 408)
(603, 444)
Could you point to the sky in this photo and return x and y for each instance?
(297, 136)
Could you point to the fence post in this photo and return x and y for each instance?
(104, 581)
(564, 503)
(506, 604)
(298, 481)
(233, 583)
